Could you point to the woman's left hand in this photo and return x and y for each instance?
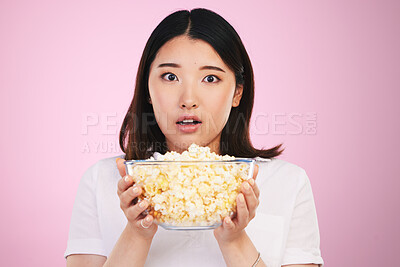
(247, 203)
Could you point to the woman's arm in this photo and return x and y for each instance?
(235, 245)
(87, 260)
(134, 242)
(241, 252)
(130, 250)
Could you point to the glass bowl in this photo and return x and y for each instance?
(190, 195)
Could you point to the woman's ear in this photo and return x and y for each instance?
(237, 96)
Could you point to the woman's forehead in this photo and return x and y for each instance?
(188, 52)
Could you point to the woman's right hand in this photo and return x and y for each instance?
(140, 224)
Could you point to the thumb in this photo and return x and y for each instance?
(228, 224)
(255, 172)
(121, 166)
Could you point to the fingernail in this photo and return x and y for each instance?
(135, 189)
(126, 178)
(142, 204)
(148, 219)
(228, 220)
(251, 182)
(241, 198)
(246, 186)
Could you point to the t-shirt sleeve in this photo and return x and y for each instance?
(303, 242)
(84, 232)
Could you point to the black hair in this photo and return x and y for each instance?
(140, 134)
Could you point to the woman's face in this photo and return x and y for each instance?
(188, 78)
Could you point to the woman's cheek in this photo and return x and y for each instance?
(164, 115)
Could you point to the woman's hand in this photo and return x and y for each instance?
(247, 203)
(140, 224)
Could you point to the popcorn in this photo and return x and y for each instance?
(192, 193)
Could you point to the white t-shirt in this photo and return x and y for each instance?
(285, 229)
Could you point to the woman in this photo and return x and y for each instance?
(194, 85)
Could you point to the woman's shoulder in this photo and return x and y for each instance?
(280, 171)
(280, 165)
(110, 162)
(106, 167)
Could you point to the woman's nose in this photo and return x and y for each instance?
(188, 99)
(185, 105)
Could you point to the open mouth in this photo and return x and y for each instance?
(188, 122)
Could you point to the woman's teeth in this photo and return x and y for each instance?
(188, 122)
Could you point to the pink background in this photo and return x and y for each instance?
(64, 65)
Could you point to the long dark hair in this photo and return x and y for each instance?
(140, 135)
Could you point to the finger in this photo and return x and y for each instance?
(121, 166)
(253, 184)
(242, 211)
(133, 212)
(251, 199)
(124, 184)
(228, 224)
(145, 222)
(129, 195)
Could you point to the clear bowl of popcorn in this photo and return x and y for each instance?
(194, 190)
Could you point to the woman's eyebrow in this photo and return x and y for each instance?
(174, 65)
(211, 68)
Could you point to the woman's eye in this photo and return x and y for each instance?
(169, 77)
(211, 79)
(172, 77)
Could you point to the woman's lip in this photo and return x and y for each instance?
(189, 128)
(188, 117)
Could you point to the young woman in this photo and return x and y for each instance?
(194, 67)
